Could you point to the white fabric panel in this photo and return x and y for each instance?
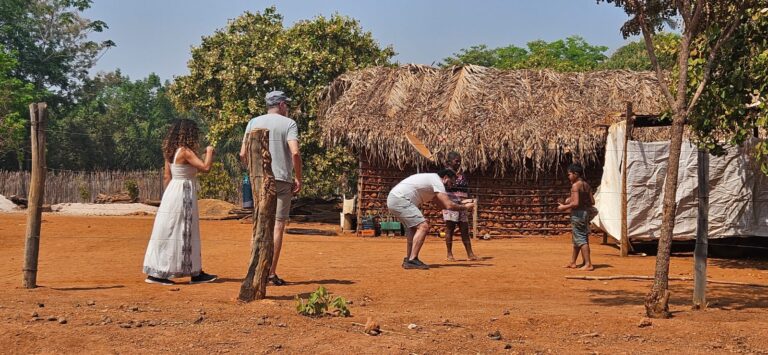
(738, 199)
(608, 194)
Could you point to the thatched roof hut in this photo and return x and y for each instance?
(496, 119)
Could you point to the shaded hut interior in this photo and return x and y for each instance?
(516, 132)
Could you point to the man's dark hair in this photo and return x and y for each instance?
(576, 169)
(450, 173)
(453, 155)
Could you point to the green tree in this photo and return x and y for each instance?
(570, 54)
(733, 105)
(633, 55)
(50, 38)
(15, 95)
(117, 124)
(232, 70)
(714, 23)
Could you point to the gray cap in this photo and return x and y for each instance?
(274, 98)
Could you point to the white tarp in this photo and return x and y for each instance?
(738, 198)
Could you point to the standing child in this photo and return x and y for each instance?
(580, 203)
(174, 248)
(457, 193)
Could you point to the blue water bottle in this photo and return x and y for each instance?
(247, 195)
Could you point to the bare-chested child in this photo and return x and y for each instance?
(580, 203)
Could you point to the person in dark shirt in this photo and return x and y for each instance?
(458, 192)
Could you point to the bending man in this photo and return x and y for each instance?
(405, 199)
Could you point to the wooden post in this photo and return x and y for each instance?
(624, 246)
(265, 204)
(38, 113)
(474, 217)
(359, 208)
(702, 234)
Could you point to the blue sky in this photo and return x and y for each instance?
(156, 35)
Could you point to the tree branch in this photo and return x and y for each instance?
(683, 55)
(652, 55)
(698, 11)
(712, 55)
(684, 7)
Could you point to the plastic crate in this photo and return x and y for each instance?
(390, 226)
(367, 233)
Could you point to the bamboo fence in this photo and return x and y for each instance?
(79, 186)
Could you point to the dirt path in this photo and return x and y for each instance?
(90, 273)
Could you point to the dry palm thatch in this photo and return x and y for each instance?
(523, 121)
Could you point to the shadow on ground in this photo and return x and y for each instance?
(728, 297)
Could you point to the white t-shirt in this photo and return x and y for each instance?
(419, 188)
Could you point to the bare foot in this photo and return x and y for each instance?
(472, 258)
(450, 258)
(587, 268)
(570, 266)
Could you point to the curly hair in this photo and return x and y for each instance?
(182, 133)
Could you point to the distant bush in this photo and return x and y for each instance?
(216, 183)
(132, 187)
(85, 193)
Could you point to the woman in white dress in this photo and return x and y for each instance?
(174, 248)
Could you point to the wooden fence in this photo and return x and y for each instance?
(67, 186)
(71, 186)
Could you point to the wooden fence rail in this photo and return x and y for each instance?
(72, 186)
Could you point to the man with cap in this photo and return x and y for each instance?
(286, 164)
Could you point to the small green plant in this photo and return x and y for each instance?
(319, 302)
(85, 194)
(132, 187)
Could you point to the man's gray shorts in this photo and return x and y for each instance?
(405, 211)
(284, 192)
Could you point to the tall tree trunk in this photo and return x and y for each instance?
(656, 303)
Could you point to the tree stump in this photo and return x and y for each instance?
(263, 187)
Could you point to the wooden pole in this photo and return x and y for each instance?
(38, 113)
(263, 189)
(702, 234)
(474, 217)
(624, 245)
(359, 207)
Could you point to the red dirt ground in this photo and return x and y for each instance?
(90, 274)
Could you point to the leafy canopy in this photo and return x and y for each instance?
(734, 103)
(634, 56)
(231, 71)
(50, 38)
(15, 96)
(117, 124)
(570, 54)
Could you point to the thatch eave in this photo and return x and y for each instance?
(525, 121)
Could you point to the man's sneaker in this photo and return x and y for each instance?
(203, 278)
(159, 281)
(412, 264)
(275, 280)
(419, 262)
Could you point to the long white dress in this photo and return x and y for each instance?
(174, 248)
